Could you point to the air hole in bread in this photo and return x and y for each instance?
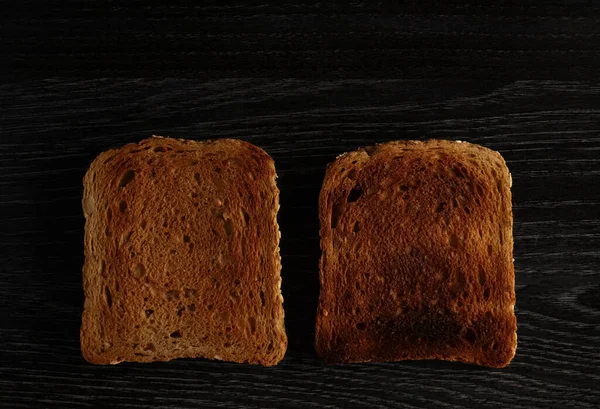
(470, 336)
(458, 172)
(172, 295)
(481, 276)
(123, 206)
(251, 294)
(351, 174)
(361, 326)
(453, 240)
(403, 188)
(191, 307)
(228, 227)
(489, 249)
(356, 228)
(486, 294)
(160, 149)
(467, 210)
(246, 217)
(262, 297)
(126, 178)
(472, 187)
(102, 268)
(176, 334)
(149, 347)
(499, 186)
(148, 313)
(180, 311)
(336, 213)
(108, 297)
(143, 224)
(139, 270)
(494, 173)
(354, 195)
(440, 207)
(252, 323)
(109, 214)
(210, 307)
(186, 238)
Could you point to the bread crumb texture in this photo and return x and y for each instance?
(182, 254)
(417, 255)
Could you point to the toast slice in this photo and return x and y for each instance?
(417, 260)
(182, 254)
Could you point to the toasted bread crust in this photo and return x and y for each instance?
(417, 260)
(181, 254)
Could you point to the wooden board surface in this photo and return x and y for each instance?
(53, 125)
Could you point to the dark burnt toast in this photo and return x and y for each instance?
(417, 255)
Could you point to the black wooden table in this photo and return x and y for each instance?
(306, 83)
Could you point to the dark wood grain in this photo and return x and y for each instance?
(548, 131)
(217, 39)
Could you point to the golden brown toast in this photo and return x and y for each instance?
(182, 254)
